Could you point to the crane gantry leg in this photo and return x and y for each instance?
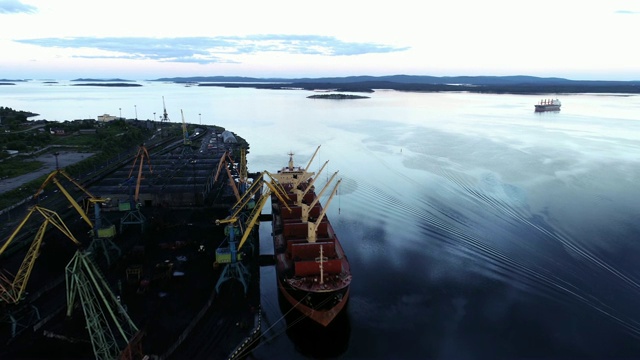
(234, 269)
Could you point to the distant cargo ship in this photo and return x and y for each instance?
(312, 269)
(548, 105)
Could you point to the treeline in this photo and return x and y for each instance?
(11, 118)
(108, 137)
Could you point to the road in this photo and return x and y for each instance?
(65, 158)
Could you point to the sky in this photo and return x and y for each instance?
(151, 39)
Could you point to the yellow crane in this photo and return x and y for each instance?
(247, 201)
(102, 235)
(12, 288)
(140, 156)
(185, 134)
(234, 269)
(132, 207)
(227, 162)
(99, 231)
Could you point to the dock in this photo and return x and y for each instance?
(158, 253)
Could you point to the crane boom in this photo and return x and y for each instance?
(12, 291)
(16, 231)
(142, 153)
(307, 208)
(53, 177)
(274, 187)
(185, 133)
(226, 163)
(300, 193)
(312, 226)
(253, 217)
(311, 160)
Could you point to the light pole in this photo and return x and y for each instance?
(154, 116)
(120, 113)
(195, 192)
(135, 109)
(200, 118)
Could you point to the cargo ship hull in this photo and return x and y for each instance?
(541, 108)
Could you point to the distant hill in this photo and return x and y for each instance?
(518, 84)
(403, 79)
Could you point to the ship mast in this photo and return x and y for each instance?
(290, 160)
(321, 260)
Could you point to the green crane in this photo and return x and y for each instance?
(110, 328)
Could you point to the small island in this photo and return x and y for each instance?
(337, 96)
(107, 84)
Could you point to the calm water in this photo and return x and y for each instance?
(475, 227)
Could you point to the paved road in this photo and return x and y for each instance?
(65, 158)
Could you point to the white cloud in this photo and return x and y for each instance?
(15, 7)
(547, 38)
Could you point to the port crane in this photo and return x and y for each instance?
(165, 116)
(112, 332)
(133, 214)
(12, 291)
(244, 215)
(102, 234)
(186, 140)
(227, 163)
(13, 288)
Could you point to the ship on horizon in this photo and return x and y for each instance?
(313, 271)
(548, 105)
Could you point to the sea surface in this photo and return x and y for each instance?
(475, 228)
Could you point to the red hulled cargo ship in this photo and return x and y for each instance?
(312, 269)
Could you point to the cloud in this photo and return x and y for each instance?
(206, 50)
(15, 7)
(627, 12)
